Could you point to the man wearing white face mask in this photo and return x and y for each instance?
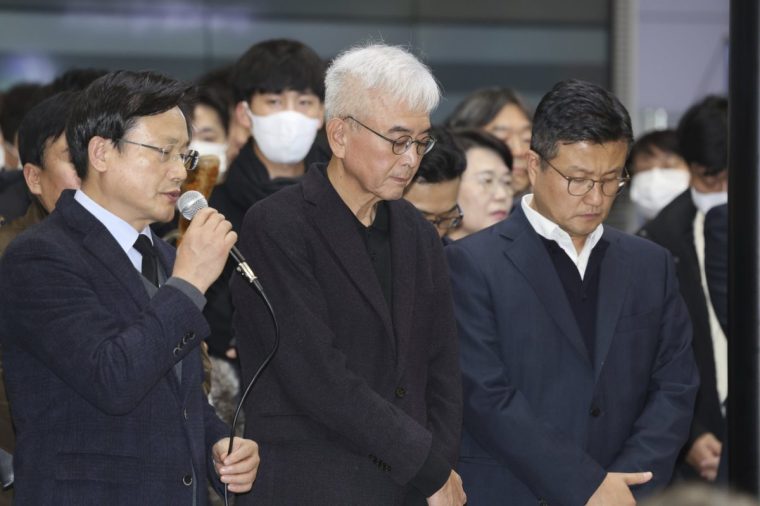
(703, 142)
(659, 172)
(279, 89)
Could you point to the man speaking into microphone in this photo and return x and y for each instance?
(362, 403)
(101, 321)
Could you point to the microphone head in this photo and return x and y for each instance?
(190, 203)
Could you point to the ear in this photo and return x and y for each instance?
(534, 166)
(336, 136)
(98, 151)
(32, 175)
(241, 114)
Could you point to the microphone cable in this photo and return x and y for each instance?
(260, 290)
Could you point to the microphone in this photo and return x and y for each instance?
(189, 203)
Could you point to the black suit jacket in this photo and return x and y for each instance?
(673, 229)
(360, 398)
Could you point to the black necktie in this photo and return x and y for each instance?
(149, 258)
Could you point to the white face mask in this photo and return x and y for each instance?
(706, 201)
(653, 189)
(284, 137)
(218, 149)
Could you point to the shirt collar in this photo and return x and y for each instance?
(550, 230)
(122, 231)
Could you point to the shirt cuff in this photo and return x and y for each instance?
(192, 293)
(432, 475)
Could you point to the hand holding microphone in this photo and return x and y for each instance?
(191, 204)
(207, 242)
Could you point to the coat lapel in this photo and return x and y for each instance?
(99, 242)
(337, 226)
(403, 255)
(528, 254)
(614, 274)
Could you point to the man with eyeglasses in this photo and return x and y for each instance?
(435, 187)
(362, 404)
(101, 321)
(579, 379)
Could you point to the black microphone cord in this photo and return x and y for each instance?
(260, 290)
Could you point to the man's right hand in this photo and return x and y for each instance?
(204, 248)
(450, 494)
(704, 456)
(615, 491)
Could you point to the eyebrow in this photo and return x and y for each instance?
(403, 130)
(587, 171)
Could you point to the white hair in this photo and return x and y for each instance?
(390, 71)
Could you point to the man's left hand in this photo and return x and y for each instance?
(238, 469)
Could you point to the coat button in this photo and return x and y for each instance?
(188, 337)
(595, 412)
(400, 392)
(177, 351)
(184, 413)
(187, 480)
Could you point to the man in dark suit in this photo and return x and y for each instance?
(579, 380)
(102, 364)
(362, 404)
(679, 227)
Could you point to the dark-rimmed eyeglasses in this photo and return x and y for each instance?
(580, 186)
(189, 159)
(448, 220)
(402, 144)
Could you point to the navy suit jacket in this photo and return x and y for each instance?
(100, 415)
(542, 424)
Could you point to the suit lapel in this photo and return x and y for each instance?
(99, 242)
(403, 255)
(337, 226)
(530, 257)
(614, 274)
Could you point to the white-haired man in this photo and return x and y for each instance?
(362, 404)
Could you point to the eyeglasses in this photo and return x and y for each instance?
(189, 159)
(491, 184)
(580, 186)
(402, 144)
(447, 220)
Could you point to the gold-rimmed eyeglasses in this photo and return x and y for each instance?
(189, 159)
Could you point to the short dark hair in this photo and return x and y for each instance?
(274, 66)
(468, 139)
(662, 140)
(213, 90)
(482, 106)
(112, 104)
(42, 125)
(75, 79)
(703, 134)
(17, 101)
(445, 162)
(575, 111)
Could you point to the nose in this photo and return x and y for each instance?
(177, 171)
(501, 191)
(411, 157)
(595, 197)
(517, 147)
